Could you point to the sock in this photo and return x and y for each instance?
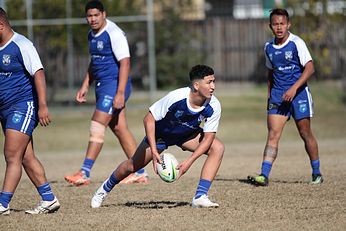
(5, 198)
(202, 188)
(45, 192)
(87, 165)
(140, 171)
(315, 165)
(266, 168)
(110, 183)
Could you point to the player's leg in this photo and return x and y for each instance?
(97, 131)
(119, 127)
(14, 148)
(36, 173)
(209, 169)
(139, 160)
(311, 148)
(275, 126)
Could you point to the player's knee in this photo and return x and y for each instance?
(218, 149)
(129, 166)
(97, 132)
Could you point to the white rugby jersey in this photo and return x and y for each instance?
(286, 60)
(106, 49)
(19, 62)
(176, 119)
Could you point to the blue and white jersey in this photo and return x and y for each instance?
(106, 49)
(287, 61)
(19, 62)
(176, 119)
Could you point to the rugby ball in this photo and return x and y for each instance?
(167, 169)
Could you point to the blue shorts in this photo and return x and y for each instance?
(301, 106)
(170, 140)
(21, 116)
(105, 92)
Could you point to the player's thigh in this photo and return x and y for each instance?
(101, 117)
(15, 143)
(192, 143)
(276, 123)
(142, 155)
(304, 127)
(118, 120)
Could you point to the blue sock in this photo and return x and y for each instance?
(202, 188)
(315, 165)
(140, 171)
(45, 192)
(5, 198)
(87, 165)
(266, 168)
(111, 182)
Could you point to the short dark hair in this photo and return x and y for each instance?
(94, 4)
(3, 16)
(279, 11)
(200, 71)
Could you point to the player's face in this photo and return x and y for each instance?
(280, 26)
(206, 86)
(96, 19)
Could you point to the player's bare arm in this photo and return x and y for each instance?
(119, 99)
(269, 81)
(307, 73)
(83, 91)
(149, 125)
(201, 149)
(40, 84)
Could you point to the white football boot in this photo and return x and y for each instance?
(45, 207)
(4, 210)
(99, 196)
(203, 202)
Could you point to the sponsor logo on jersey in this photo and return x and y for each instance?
(288, 55)
(277, 52)
(302, 101)
(100, 45)
(6, 59)
(302, 108)
(271, 57)
(16, 118)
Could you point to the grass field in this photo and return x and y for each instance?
(289, 203)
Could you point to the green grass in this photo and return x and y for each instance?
(243, 118)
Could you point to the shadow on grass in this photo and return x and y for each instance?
(152, 204)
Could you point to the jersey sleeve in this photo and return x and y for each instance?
(268, 63)
(31, 59)
(212, 123)
(303, 52)
(160, 108)
(120, 46)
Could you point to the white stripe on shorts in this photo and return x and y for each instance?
(29, 113)
(311, 103)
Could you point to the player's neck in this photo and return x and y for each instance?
(6, 36)
(196, 101)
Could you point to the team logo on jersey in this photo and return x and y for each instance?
(99, 45)
(178, 114)
(16, 118)
(302, 108)
(107, 100)
(6, 59)
(288, 55)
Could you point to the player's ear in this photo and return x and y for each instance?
(288, 25)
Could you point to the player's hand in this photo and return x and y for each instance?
(119, 101)
(289, 95)
(183, 167)
(81, 95)
(43, 115)
(156, 158)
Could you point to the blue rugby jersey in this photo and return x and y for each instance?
(176, 119)
(19, 62)
(287, 61)
(106, 49)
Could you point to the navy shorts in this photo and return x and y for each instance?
(21, 116)
(105, 93)
(301, 106)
